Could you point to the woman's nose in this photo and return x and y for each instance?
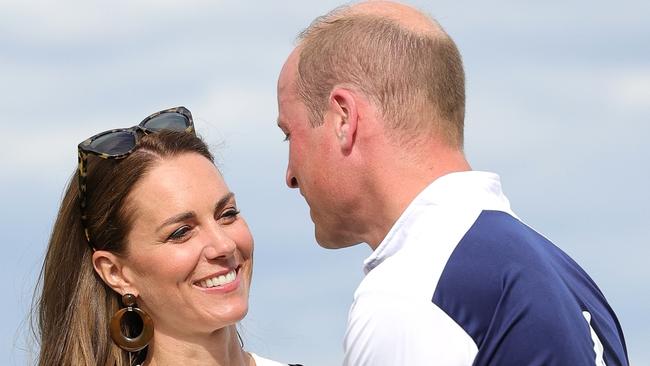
(219, 244)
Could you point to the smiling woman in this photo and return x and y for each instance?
(149, 261)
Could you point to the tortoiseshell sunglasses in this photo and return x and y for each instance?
(119, 143)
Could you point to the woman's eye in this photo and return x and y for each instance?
(230, 214)
(179, 233)
(286, 137)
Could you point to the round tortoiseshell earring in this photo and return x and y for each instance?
(125, 342)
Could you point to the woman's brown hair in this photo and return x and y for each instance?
(74, 306)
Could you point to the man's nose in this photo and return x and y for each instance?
(290, 179)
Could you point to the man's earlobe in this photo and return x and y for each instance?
(343, 105)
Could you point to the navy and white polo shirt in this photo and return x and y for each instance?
(460, 280)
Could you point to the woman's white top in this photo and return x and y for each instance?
(261, 361)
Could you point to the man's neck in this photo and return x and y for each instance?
(397, 184)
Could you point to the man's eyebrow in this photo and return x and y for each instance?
(280, 123)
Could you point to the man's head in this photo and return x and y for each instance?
(313, 160)
(362, 78)
(401, 59)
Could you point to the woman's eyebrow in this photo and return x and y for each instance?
(191, 214)
(224, 201)
(177, 218)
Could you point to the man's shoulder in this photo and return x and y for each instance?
(499, 250)
(511, 288)
(500, 257)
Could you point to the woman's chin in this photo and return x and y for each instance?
(226, 317)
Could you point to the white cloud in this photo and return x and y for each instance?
(77, 20)
(38, 154)
(631, 88)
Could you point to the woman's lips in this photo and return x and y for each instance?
(224, 282)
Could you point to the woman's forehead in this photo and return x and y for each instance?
(179, 183)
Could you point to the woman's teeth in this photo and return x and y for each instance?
(219, 280)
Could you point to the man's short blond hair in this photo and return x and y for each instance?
(415, 78)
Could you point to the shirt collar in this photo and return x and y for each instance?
(461, 189)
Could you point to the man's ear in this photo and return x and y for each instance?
(111, 269)
(343, 107)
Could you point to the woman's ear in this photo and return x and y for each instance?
(110, 268)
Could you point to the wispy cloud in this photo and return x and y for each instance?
(558, 99)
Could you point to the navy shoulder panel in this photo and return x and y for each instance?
(523, 300)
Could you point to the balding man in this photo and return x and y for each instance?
(372, 103)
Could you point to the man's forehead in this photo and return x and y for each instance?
(287, 89)
(286, 85)
(287, 94)
(289, 71)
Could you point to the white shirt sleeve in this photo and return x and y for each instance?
(385, 331)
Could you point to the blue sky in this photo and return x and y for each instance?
(558, 99)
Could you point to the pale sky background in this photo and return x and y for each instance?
(558, 100)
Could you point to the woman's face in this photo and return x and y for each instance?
(189, 251)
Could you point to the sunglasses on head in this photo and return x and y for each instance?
(119, 143)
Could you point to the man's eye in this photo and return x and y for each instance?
(179, 233)
(286, 136)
